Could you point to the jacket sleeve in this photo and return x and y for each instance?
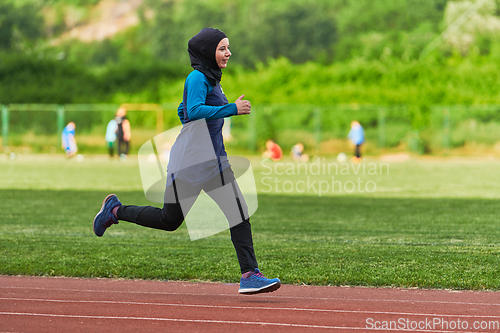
(198, 88)
(180, 112)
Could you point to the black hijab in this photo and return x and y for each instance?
(202, 49)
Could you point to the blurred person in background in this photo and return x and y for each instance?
(357, 137)
(68, 141)
(111, 136)
(298, 153)
(123, 133)
(273, 151)
(202, 114)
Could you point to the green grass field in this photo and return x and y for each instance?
(428, 223)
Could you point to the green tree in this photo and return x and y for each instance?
(425, 11)
(257, 29)
(19, 24)
(301, 31)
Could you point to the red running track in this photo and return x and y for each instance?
(37, 304)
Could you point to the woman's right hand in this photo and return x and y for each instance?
(243, 106)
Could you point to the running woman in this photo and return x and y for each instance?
(202, 110)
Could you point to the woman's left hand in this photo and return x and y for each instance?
(243, 105)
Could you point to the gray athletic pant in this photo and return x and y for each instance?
(171, 216)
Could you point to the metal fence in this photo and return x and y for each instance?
(447, 126)
(61, 110)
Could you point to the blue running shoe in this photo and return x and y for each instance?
(257, 283)
(105, 218)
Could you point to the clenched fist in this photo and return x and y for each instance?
(243, 106)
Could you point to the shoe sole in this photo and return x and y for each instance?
(99, 212)
(267, 289)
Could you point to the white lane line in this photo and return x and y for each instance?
(204, 321)
(249, 307)
(274, 296)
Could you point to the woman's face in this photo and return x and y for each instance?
(222, 53)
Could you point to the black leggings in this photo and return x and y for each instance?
(123, 147)
(171, 216)
(357, 151)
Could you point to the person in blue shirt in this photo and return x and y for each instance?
(68, 141)
(357, 137)
(198, 161)
(111, 136)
